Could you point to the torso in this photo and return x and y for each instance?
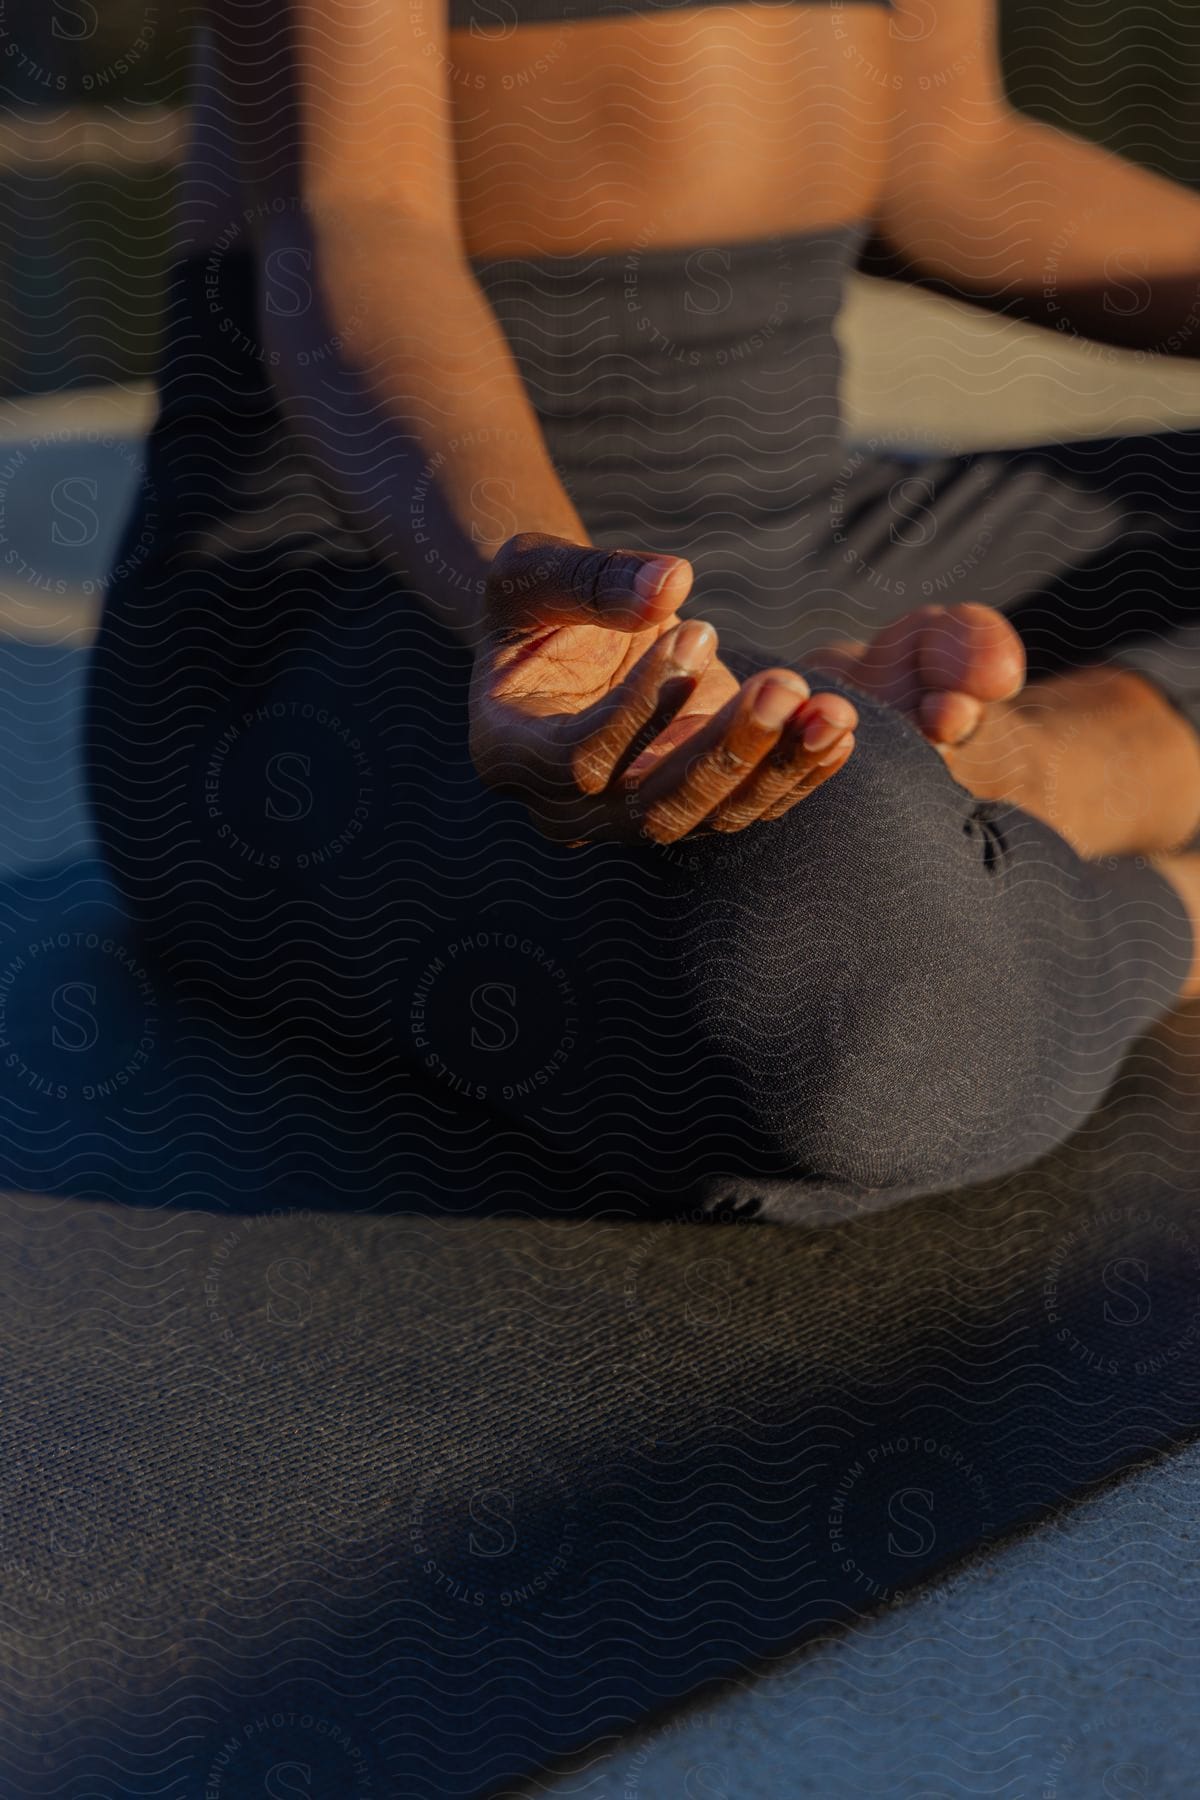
(693, 125)
(697, 126)
(661, 208)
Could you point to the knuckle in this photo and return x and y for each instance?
(599, 574)
(522, 565)
(589, 571)
(591, 766)
(662, 824)
(721, 764)
(508, 557)
(521, 543)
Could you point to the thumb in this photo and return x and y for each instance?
(540, 580)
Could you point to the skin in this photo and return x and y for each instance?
(389, 151)
(562, 711)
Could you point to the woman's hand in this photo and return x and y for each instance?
(612, 719)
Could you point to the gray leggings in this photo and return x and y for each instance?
(896, 988)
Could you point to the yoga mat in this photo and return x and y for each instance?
(418, 1505)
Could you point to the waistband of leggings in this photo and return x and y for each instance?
(696, 292)
(693, 293)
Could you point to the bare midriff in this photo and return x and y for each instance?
(704, 125)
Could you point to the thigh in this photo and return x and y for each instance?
(890, 990)
(1137, 602)
(1086, 546)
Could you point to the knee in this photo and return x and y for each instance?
(853, 981)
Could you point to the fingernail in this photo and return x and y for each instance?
(692, 646)
(773, 705)
(652, 577)
(843, 746)
(820, 732)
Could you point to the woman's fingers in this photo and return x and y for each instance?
(536, 580)
(813, 745)
(756, 757)
(817, 774)
(721, 758)
(610, 733)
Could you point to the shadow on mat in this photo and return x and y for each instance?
(307, 1501)
(112, 1090)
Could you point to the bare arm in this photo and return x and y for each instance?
(419, 415)
(591, 700)
(1002, 209)
(393, 368)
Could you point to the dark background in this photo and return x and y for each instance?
(86, 148)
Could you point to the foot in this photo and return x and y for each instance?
(1097, 753)
(943, 666)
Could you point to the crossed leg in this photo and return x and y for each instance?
(1097, 753)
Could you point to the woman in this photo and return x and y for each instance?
(463, 303)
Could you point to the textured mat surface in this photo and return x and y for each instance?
(420, 1505)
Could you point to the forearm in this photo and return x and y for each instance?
(1038, 223)
(399, 379)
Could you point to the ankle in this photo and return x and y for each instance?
(1010, 757)
(1158, 752)
(1098, 754)
(1183, 874)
